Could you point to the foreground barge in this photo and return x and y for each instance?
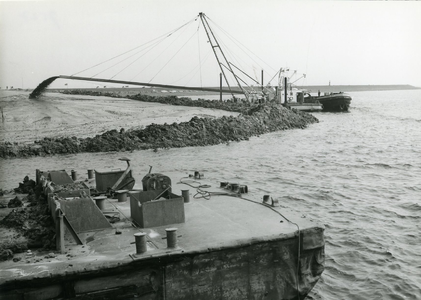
(222, 246)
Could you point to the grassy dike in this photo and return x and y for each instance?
(254, 120)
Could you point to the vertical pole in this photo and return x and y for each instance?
(262, 80)
(60, 232)
(220, 87)
(37, 175)
(276, 94)
(286, 90)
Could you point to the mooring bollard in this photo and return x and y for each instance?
(122, 195)
(90, 174)
(186, 195)
(140, 241)
(74, 175)
(171, 237)
(242, 189)
(266, 199)
(275, 202)
(234, 187)
(100, 202)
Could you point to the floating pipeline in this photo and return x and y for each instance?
(236, 105)
(263, 118)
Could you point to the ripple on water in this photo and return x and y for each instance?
(357, 173)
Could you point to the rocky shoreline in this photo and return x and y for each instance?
(255, 119)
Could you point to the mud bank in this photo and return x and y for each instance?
(253, 121)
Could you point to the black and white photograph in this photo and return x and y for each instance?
(192, 149)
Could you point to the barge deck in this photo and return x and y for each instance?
(228, 247)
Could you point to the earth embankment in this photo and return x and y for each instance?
(198, 131)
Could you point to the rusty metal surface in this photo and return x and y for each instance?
(83, 214)
(59, 177)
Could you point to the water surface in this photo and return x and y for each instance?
(359, 173)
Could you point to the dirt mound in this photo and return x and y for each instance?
(28, 226)
(15, 202)
(26, 186)
(255, 119)
(34, 223)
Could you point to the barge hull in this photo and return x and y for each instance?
(225, 247)
(262, 270)
(335, 102)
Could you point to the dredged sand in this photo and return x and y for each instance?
(55, 114)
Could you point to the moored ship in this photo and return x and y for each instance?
(333, 101)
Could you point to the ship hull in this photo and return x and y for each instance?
(266, 269)
(335, 102)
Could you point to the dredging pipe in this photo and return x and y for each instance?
(43, 85)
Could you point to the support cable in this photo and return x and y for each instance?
(200, 61)
(150, 48)
(162, 36)
(145, 54)
(254, 80)
(244, 47)
(152, 61)
(195, 70)
(172, 58)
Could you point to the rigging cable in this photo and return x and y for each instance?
(142, 56)
(151, 47)
(131, 63)
(200, 62)
(171, 58)
(244, 47)
(152, 61)
(237, 58)
(195, 70)
(238, 43)
(107, 60)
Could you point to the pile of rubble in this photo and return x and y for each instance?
(28, 225)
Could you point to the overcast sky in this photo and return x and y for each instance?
(344, 42)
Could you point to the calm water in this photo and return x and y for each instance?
(357, 172)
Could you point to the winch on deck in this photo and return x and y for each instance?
(156, 182)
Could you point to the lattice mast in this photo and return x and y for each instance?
(215, 45)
